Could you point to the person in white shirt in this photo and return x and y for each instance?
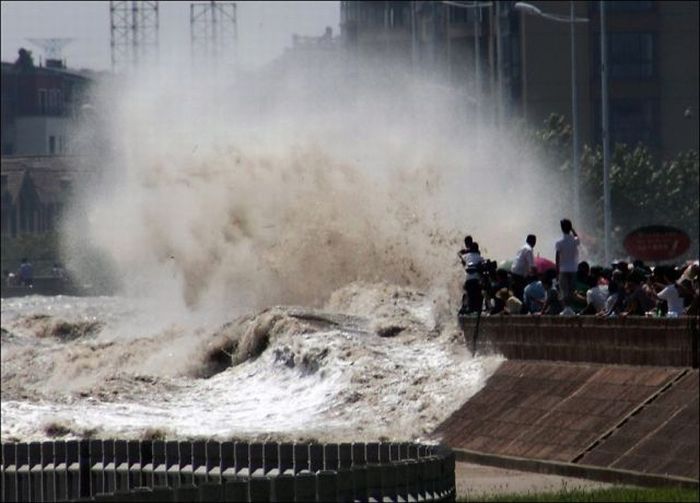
(523, 266)
(567, 261)
(672, 295)
(473, 299)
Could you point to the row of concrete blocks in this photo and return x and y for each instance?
(64, 471)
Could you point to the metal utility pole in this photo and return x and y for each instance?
(134, 27)
(605, 132)
(213, 32)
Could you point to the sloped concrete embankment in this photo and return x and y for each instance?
(615, 401)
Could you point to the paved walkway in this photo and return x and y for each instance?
(477, 481)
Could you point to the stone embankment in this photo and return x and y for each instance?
(613, 400)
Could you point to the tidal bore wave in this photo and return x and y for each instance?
(376, 361)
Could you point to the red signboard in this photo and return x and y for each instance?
(656, 243)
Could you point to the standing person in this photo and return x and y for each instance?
(26, 273)
(523, 266)
(567, 263)
(473, 299)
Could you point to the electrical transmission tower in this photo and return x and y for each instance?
(213, 33)
(134, 33)
(52, 46)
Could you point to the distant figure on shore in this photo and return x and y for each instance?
(26, 273)
(523, 266)
(567, 263)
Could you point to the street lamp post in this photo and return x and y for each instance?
(571, 19)
(477, 52)
(605, 133)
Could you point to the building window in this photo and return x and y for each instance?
(52, 144)
(632, 122)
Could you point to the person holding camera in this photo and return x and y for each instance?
(472, 300)
(567, 263)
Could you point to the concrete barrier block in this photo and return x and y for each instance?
(271, 460)
(372, 452)
(412, 451)
(327, 485)
(35, 472)
(359, 456)
(236, 490)
(160, 469)
(49, 478)
(345, 485)
(73, 468)
(374, 481)
(9, 472)
(259, 486)
(213, 461)
(403, 450)
(315, 457)
(146, 463)
(286, 453)
(384, 452)
(305, 486)
(199, 462)
(61, 470)
(211, 491)
(255, 456)
(283, 487)
(388, 475)
(394, 451)
(186, 475)
(186, 493)
(172, 463)
(97, 467)
(22, 471)
(330, 457)
(413, 479)
(344, 455)
(402, 480)
(301, 457)
(242, 459)
(359, 482)
(134, 461)
(227, 456)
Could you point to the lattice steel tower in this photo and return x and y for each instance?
(213, 33)
(134, 34)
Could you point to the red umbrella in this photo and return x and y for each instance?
(543, 264)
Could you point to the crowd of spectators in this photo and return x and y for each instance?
(572, 287)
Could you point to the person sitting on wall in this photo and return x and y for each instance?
(552, 302)
(26, 273)
(641, 298)
(534, 296)
(597, 293)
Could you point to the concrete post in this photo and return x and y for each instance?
(330, 456)
(259, 486)
(213, 461)
(286, 453)
(305, 487)
(388, 475)
(228, 463)
(402, 480)
(255, 452)
(160, 469)
(48, 463)
(22, 464)
(242, 458)
(271, 460)
(236, 490)
(172, 463)
(359, 457)
(97, 473)
(359, 482)
(199, 462)
(133, 448)
(327, 485)
(301, 457)
(186, 475)
(9, 472)
(345, 455)
(315, 457)
(61, 472)
(35, 475)
(73, 468)
(283, 486)
(147, 463)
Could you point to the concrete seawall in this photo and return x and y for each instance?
(632, 341)
(615, 400)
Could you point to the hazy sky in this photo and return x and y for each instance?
(264, 29)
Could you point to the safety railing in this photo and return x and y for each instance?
(209, 470)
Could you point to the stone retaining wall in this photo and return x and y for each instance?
(631, 340)
(120, 470)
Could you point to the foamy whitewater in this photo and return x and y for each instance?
(284, 248)
(70, 367)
